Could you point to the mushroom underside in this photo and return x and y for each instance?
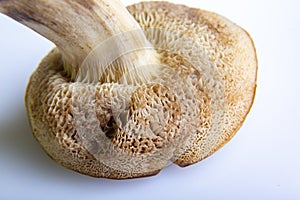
(192, 109)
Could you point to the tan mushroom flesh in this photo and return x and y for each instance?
(128, 91)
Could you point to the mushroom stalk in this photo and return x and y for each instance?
(99, 39)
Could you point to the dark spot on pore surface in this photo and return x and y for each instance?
(110, 133)
(111, 128)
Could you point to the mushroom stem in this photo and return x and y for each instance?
(85, 31)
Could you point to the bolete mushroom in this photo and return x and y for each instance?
(128, 91)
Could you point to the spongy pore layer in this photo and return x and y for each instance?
(184, 114)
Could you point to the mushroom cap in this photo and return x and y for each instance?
(120, 131)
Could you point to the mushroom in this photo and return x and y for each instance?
(127, 91)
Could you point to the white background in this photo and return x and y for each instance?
(261, 162)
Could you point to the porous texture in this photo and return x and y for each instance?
(122, 131)
(227, 47)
